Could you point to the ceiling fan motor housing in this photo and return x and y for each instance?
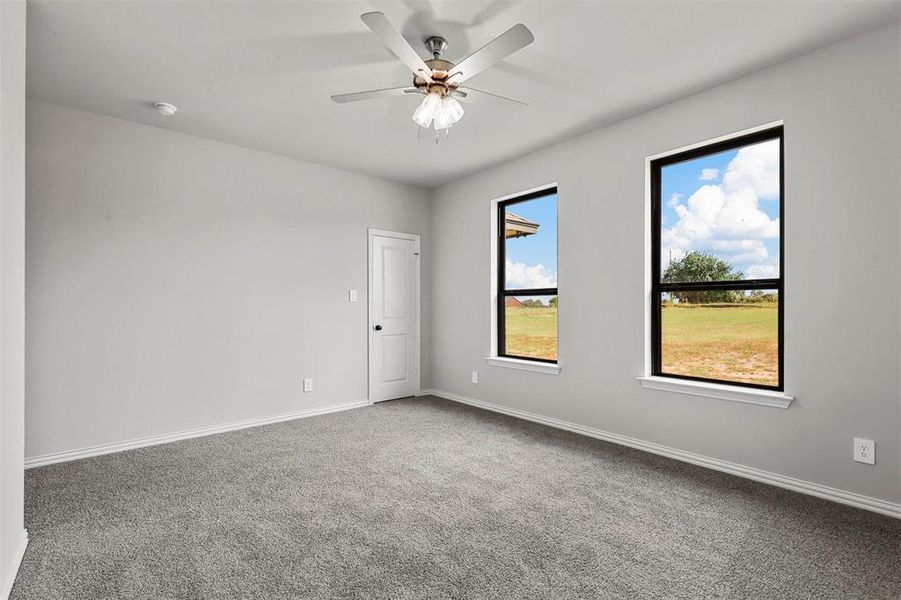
(441, 69)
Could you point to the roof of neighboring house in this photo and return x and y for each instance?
(512, 302)
(515, 226)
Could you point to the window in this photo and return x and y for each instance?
(527, 277)
(717, 262)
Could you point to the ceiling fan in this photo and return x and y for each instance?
(439, 80)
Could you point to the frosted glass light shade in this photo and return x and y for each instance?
(454, 108)
(448, 113)
(439, 112)
(425, 112)
(443, 118)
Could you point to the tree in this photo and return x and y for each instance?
(533, 303)
(760, 297)
(553, 302)
(700, 266)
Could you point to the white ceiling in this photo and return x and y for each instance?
(259, 74)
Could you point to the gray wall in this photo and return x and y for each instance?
(841, 112)
(12, 282)
(176, 282)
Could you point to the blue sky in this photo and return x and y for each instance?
(532, 260)
(726, 204)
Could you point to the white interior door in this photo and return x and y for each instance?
(393, 307)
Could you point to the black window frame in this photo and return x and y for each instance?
(658, 288)
(502, 292)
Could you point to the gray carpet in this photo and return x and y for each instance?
(424, 498)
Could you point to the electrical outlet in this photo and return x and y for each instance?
(475, 376)
(865, 451)
(308, 384)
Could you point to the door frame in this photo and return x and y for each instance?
(417, 290)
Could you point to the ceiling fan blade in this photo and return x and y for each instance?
(370, 94)
(515, 38)
(470, 89)
(401, 48)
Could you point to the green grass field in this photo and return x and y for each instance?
(532, 332)
(736, 342)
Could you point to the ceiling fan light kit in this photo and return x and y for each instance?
(439, 80)
(443, 112)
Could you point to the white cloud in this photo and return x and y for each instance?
(740, 251)
(736, 246)
(709, 174)
(726, 218)
(755, 167)
(672, 254)
(768, 271)
(712, 214)
(520, 275)
(674, 200)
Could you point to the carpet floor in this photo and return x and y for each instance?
(425, 498)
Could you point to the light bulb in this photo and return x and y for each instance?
(425, 112)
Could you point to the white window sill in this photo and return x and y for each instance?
(715, 390)
(524, 365)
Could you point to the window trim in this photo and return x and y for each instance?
(499, 293)
(704, 389)
(524, 365)
(655, 165)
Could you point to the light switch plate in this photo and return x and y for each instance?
(352, 296)
(475, 376)
(308, 384)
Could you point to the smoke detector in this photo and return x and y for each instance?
(165, 109)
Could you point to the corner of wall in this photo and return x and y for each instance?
(9, 577)
(12, 290)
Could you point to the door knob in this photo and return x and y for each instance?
(378, 327)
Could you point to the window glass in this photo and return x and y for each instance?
(531, 243)
(724, 206)
(527, 277)
(733, 336)
(531, 326)
(717, 280)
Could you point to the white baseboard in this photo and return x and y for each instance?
(6, 585)
(790, 483)
(57, 457)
